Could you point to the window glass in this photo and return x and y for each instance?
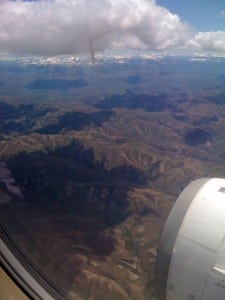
(108, 109)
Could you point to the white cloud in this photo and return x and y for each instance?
(52, 27)
(212, 41)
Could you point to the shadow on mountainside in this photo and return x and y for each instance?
(20, 118)
(130, 100)
(70, 206)
(76, 121)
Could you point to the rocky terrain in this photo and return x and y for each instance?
(87, 186)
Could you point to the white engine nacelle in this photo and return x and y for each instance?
(190, 262)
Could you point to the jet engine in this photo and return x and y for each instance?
(190, 262)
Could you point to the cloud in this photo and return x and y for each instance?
(212, 41)
(54, 27)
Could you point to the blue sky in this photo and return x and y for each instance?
(202, 15)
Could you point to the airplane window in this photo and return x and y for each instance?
(108, 109)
